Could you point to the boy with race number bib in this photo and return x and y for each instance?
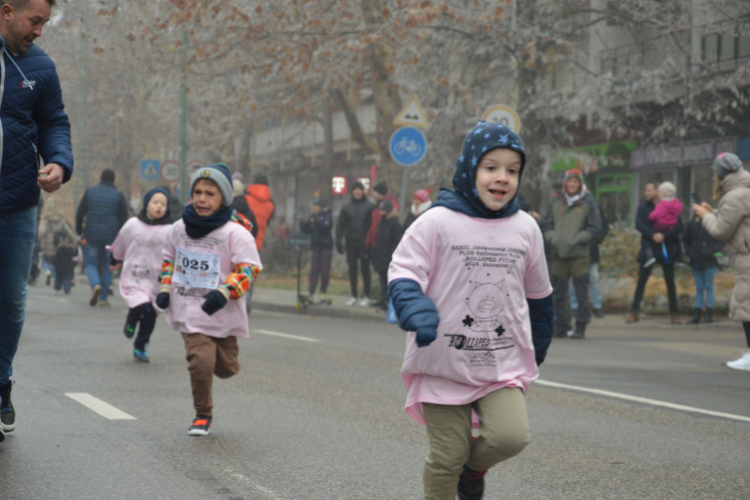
(469, 282)
(137, 249)
(209, 262)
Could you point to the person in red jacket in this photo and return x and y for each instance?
(258, 197)
(379, 192)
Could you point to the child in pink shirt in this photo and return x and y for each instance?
(209, 262)
(666, 215)
(470, 285)
(137, 249)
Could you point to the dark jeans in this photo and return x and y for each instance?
(384, 292)
(63, 283)
(643, 274)
(146, 316)
(562, 272)
(746, 326)
(320, 267)
(17, 234)
(357, 255)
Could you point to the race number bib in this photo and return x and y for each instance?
(196, 269)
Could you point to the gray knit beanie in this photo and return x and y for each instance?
(726, 163)
(220, 174)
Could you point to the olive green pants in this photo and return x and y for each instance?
(503, 429)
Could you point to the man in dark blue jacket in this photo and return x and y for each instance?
(105, 211)
(35, 132)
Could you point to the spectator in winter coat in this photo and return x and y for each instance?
(319, 226)
(67, 249)
(420, 205)
(595, 257)
(351, 233)
(52, 224)
(570, 224)
(701, 248)
(386, 240)
(379, 192)
(240, 204)
(731, 224)
(104, 210)
(260, 203)
(664, 248)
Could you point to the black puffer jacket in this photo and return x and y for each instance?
(700, 247)
(387, 239)
(354, 223)
(319, 226)
(104, 210)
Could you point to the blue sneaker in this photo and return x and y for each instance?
(140, 355)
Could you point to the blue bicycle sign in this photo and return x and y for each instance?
(408, 146)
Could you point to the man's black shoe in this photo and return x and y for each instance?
(579, 333)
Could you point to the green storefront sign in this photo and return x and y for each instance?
(590, 159)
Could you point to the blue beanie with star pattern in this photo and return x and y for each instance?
(482, 139)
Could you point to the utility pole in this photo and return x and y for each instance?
(183, 122)
(83, 96)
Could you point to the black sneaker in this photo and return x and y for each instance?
(201, 426)
(7, 413)
(471, 485)
(579, 332)
(129, 330)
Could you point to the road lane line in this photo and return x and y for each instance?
(636, 399)
(104, 409)
(286, 335)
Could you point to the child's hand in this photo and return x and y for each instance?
(162, 300)
(215, 300)
(425, 336)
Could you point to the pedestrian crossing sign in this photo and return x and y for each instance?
(150, 170)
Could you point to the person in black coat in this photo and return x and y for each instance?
(319, 226)
(701, 248)
(387, 239)
(663, 248)
(351, 233)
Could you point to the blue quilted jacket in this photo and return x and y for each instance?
(34, 124)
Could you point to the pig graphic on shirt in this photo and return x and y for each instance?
(486, 303)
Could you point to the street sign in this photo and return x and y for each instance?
(408, 146)
(340, 185)
(150, 170)
(411, 115)
(192, 167)
(504, 115)
(170, 171)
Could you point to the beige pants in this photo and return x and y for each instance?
(504, 433)
(209, 356)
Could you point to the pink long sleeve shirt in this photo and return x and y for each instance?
(479, 273)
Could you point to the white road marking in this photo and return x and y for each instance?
(286, 335)
(104, 409)
(266, 491)
(636, 399)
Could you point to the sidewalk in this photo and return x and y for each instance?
(274, 300)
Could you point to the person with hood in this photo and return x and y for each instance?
(469, 283)
(51, 224)
(570, 224)
(379, 192)
(351, 233)
(420, 205)
(103, 210)
(730, 223)
(137, 250)
(319, 226)
(209, 262)
(261, 205)
(662, 247)
(386, 240)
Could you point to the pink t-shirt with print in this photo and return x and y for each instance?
(138, 245)
(479, 273)
(232, 244)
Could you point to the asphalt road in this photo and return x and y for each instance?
(324, 419)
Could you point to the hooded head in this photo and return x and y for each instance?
(220, 175)
(147, 200)
(573, 174)
(482, 139)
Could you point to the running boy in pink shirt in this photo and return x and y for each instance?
(210, 262)
(469, 284)
(137, 249)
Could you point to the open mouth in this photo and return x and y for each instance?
(498, 194)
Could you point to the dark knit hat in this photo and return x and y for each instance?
(220, 174)
(151, 193)
(381, 188)
(108, 176)
(358, 185)
(386, 206)
(726, 163)
(261, 179)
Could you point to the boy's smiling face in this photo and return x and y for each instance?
(497, 177)
(207, 198)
